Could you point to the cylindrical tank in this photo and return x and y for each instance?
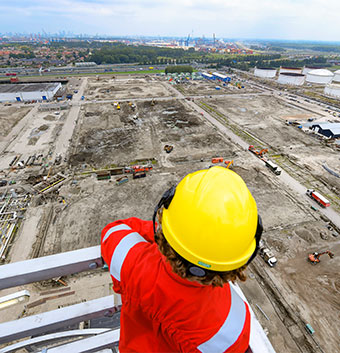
(336, 77)
(289, 78)
(266, 72)
(320, 76)
(293, 70)
(332, 90)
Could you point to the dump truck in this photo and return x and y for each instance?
(273, 167)
(321, 200)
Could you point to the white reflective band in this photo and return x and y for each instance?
(115, 229)
(121, 251)
(231, 329)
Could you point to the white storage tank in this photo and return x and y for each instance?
(320, 76)
(293, 70)
(307, 69)
(265, 72)
(336, 77)
(333, 90)
(289, 78)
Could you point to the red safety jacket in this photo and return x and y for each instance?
(162, 312)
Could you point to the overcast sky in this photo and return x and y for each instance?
(285, 19)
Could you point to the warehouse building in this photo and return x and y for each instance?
(28, 92)
(330, 130)
(265, 72)
(289, 78)
(221, 77)
(293, 70)
(333, 90)
(320, 76)
(208, 76)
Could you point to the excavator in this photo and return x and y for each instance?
(252, 149)
(315, 257)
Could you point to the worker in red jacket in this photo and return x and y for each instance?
(174, 276)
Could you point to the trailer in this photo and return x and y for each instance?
(273, 167)
(321, 200)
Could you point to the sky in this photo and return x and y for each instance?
(261, 19)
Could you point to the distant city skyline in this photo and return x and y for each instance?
(312, 20)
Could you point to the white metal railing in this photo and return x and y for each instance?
(47, 267)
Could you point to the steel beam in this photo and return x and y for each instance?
(47, 267)
(89, 345)
(53, 337)
(55, 319)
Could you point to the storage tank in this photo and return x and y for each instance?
(289, 78)
(333, 90)
(293, 70)
(320, 76)
(336, 77)
(265, 72)
(307, 69)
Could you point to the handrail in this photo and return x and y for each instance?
(70, 262)
(42, 268)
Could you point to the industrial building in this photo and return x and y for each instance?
(293, 70)
(289, 78)
(331, 130)
(28, 92)
(320, 76)
(208, 76)
(221, 77)
(265, 72)
(336, 77)
(333, 90)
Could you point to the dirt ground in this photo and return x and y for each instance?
(9, 117)
(283, 298)
(123, 88)
(297, 150)
(207, 88)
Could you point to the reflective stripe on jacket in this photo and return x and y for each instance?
(161, 311)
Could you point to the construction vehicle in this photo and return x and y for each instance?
(168, 148)
(217, 160)
(259, 154)
(273, 167)
(118, 106)
(133, 106)
(153, 102)
(229, 163)
(321, 200)
(268, 257)
(122, 180)
(137, 175)
(315, 257)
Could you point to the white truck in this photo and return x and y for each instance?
(273, 167)
(268, 256)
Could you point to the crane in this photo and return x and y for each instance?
(315, 257)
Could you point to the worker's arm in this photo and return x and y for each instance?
(118, 238)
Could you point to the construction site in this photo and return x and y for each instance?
(113, 150)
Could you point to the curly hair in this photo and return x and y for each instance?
(180, 265)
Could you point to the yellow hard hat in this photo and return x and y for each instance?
(212, 220)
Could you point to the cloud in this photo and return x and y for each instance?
(291, 19)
